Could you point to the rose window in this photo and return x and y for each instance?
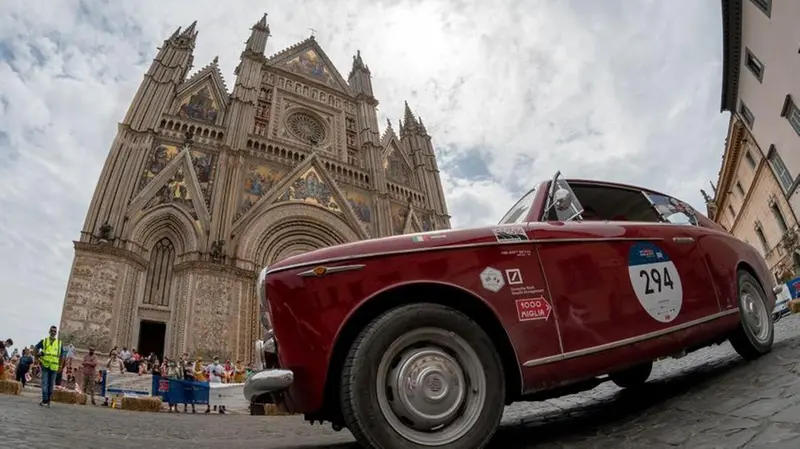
(306, 128)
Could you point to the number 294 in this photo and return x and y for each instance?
(656, 280)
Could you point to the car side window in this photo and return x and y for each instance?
(604, 202)
(519, 212)
(672, 209)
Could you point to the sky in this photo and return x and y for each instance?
(616, 90)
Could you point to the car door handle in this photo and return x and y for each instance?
(683, 240)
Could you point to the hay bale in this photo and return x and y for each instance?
(64, 396)
(794, 306)
(275, 410)
(141, 404)
(11, 387)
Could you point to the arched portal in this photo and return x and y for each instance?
(292, 228)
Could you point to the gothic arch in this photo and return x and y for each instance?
(166, 221)
(286, 229)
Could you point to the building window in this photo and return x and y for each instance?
(754, 64)
(739, 188)
(792, 113)
(731, 211)
(746, 115)
(751, 161)
(764, 5)
(779, 168)
(762, 239)
(776, 212)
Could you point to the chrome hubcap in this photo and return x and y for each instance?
(431, 386)
(756, 316)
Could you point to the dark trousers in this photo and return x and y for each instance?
(48, 383)
(21, 376)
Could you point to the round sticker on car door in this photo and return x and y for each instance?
(655, 281)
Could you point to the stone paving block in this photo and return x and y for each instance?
(708, 399)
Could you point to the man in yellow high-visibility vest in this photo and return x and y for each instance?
(50, 355)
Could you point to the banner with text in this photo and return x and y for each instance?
(229, 395)
(126, 384)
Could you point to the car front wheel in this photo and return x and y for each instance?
(423, 376)
(756, 332)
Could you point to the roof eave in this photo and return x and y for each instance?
(731, 52)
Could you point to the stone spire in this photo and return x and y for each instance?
(360, 79)
(422, 128)
(410, 124)
(358, 64)
(257, 42)
(190, 32)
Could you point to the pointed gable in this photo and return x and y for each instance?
(308, 60)
(204, 96)
(412, 224)
(175, 183)
(309, 183)
(397, 164)
(310, 187)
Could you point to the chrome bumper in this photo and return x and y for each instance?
(266, 380)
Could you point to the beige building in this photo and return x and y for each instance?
(204, 186)
(750, 202)
(761, 81)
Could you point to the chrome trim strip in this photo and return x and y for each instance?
(263, 307)
(462, 246)
(626, 342)
(332, 270)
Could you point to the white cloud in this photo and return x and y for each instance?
(612, 90)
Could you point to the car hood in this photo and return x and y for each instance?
(394, 245)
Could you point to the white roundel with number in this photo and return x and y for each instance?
(655, 281)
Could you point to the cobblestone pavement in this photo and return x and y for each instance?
(709, 399)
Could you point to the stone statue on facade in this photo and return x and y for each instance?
(106, 232)
(218, 251)
(187, 140)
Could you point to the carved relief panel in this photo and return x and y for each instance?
(89, 305)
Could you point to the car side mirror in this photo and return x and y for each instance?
(562, 199)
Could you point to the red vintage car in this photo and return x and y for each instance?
(419, 341)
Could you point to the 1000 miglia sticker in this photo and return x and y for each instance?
(655, 281)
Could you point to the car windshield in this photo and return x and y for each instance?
(519, 212)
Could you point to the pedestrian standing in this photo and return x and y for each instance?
(4, 345)
(175, 375)
(188, 381)
(23, 366)
(89, 373)
(114, 367)
(50, 354)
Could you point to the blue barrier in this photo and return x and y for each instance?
(173, 391)
(794, 287)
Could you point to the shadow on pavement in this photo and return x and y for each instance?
(617, 409)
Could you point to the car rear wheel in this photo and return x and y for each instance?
(423, 376)
(756, 332)
(632, 377)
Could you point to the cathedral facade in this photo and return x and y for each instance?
(204, 186)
